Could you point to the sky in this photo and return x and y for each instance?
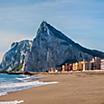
(80, 20)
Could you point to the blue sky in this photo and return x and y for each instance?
(80, 20)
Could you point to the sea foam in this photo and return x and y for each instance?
(13, 87)
(12, 102)
(17, 83)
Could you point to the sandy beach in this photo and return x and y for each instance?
(73, 88)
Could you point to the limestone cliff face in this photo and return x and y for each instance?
(51, 48)
(14, 59)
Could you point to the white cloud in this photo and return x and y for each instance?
(8, 38)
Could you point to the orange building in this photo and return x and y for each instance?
(81, 66)
(67, 67)
(75, 66)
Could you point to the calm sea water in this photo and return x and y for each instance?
(11, 83)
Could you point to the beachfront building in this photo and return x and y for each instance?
(63, 68)
(52, 70)
(98, 63)
(85, 65)
(102, 64)
(75, 66)
(67, 67)
(80, 66)
(95, 64)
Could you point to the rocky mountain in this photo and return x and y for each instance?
(51, 48)
(15, 58)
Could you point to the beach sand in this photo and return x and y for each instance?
(73, 88)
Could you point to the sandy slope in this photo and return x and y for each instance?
(76, 88)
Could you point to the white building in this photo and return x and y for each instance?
(102, 64)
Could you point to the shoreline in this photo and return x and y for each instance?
(73, 88)
(20, 83)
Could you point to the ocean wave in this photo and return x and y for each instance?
(29, 78)
(13, 87)
(3, 93)
(12, 102)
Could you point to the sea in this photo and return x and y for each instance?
(13, 82)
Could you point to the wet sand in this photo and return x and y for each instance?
(73, 88)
